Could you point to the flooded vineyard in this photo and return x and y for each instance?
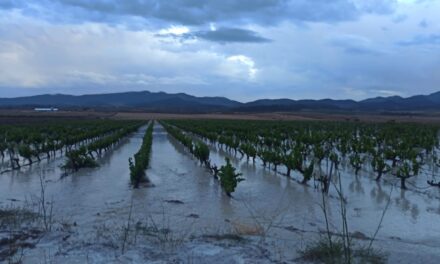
(73, 196)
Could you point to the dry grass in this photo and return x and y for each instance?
(322, 252)
(242, 229)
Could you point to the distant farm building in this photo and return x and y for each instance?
(51, 109)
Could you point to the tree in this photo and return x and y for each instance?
(229, 178)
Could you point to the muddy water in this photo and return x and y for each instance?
(79, 194)
(186, 198)
(407, 217)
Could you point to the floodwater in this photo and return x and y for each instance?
(188, 200)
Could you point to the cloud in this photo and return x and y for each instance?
(35, 55)
(354, 93)
(376, 6)
(195, 12)
(227, 35)
(355, 44)
(242, 63)
(308, 48)
(7, 4)
(173, 31)
(432, 39)
(400, 18)
(423, 24)
(388, 92)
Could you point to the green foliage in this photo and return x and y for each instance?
(308, 173)
(31, 140)
(297, 160)
(379, 165)
(356, 162)
(249, 150)
(180, 136)
(198, 148)
(229, 178)
(141, 160)
(83, 158)
(201, 152)
(26, 152)
(78, 159)
(308, 146)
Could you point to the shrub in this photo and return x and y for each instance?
(229, 178)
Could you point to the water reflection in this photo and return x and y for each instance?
(378, 194)
(356, 186)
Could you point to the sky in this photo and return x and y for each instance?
(242, 49)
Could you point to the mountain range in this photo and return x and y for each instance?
(181, 102)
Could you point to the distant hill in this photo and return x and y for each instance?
(161, 102)
(180, 102)
(429, 102)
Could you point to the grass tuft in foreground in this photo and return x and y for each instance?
(324, 251)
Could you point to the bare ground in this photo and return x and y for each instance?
(29, 116)
(417, 118)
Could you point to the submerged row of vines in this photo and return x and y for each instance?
(318, 149)
(24, 144)
(227, 174)
(141, 159)
(85, 155)
(82, 143)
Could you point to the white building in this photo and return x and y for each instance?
(51, 109)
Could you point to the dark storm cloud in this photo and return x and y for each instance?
(433, 39)
(223, 35)
(197, 12)
(231, 35)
